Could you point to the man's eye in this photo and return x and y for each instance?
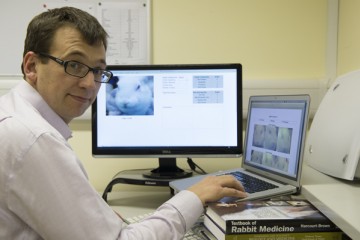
(97, 71)
(75, 65)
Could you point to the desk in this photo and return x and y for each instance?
(339, 200)
(143, 199)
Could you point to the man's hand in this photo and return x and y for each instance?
(213, 188)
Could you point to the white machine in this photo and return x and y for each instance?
(333, 142)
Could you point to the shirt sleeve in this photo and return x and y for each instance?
(171, 220)
(48, 189)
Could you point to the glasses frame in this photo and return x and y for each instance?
(94, 70)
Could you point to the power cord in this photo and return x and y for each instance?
(193, 167)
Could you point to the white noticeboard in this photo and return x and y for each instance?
(126, 21)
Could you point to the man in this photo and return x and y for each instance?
(44, 190)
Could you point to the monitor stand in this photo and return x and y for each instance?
(161, 176)
(167, 170)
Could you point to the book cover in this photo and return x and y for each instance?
(288, 236)
(269, 216)
(220, 235)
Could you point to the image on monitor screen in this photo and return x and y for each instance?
(169, 112)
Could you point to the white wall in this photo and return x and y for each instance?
(349, 36)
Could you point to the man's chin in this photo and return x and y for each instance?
(79, 114)
(69, 117)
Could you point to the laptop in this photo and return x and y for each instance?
(273, 148)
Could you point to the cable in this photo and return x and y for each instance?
(193, 166)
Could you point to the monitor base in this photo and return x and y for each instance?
(167, 170)
(157, 173)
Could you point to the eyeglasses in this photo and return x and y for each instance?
(78, 69)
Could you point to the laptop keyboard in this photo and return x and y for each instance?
(252, 184)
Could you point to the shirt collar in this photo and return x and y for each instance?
(35, 99)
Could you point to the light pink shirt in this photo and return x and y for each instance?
(44, 189)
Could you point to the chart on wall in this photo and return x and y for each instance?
(126, 22)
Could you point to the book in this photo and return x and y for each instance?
(220, 235)
(267, 216)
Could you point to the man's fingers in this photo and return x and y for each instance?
(231, 181)
(232, 192)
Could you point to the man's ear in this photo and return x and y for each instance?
(30, 61)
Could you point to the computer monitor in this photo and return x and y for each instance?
(169, 112)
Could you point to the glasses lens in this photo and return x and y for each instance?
(106, 76)
(76, 69)
(102, 75)
(81, 70)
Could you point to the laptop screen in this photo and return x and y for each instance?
(275, 134)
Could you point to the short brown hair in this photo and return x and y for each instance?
(41, 29)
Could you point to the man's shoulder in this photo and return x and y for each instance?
(19, 118)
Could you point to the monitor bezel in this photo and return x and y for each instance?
(177, 152)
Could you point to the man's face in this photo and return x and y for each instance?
(67, 95)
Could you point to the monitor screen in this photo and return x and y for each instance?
(169, 111)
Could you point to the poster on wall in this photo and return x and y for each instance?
(128, 24)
